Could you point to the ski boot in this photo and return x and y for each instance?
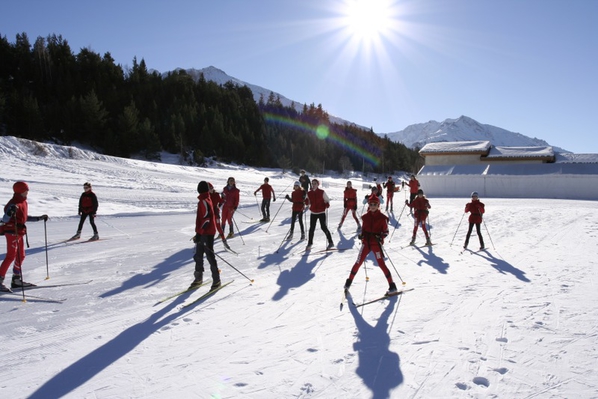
(17, 282)
(392, 289)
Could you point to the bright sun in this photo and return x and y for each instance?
(367, 20)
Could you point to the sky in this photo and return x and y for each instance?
(525, 66)
(515, 321)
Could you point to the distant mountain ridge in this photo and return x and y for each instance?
(462, 129)
(413, 136)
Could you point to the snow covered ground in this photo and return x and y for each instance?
(517, 321)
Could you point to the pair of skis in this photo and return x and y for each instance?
(382, 298)
(17, 291)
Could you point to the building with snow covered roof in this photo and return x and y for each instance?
(455, 169)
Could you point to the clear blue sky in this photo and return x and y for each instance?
(529, 66)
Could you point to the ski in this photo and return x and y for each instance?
(73, 242)
(180, 293)
(54, 285)
(37, 298)
(207, 294)
(386, 296)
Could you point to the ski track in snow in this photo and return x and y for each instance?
(515, 321)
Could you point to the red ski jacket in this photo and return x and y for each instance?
(477, 210)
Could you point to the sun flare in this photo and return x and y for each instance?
(367, 20)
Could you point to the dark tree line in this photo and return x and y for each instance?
(49, 93)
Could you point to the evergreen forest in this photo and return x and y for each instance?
(49, 93)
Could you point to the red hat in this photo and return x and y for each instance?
(373, 199)
(20, 187)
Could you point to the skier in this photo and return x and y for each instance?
(350, 204)
(421, 206)
(318, 203)
(88, 207)
(216, 203)
(375, 229)
(389, 185)
(476, 209)
(205, 229)
(413, 188)
(305, 182)
(230, 195)
(267, 195)
(14, 219)
(298, 200)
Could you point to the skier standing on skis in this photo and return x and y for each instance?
(88, 207)
(350, 204)
(205, 230)
(318, 203)
(421, 206)
(389, 185)
(298, 200)
(374, 230)
(305, 182)
(476, 209)
(14, 219)
(230, 196)
(267, 196)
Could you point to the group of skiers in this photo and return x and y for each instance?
(216, 210)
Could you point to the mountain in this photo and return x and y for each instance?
(216, 75)
(462, 129)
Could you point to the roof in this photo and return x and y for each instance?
(530, 152)
(456, 147)
(568, 157)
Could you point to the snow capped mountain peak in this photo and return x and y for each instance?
(462, 128)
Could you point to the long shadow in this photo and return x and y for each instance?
(93, 363)
(379, 368)
(431, 259)
(502, 266)
(159, 273)
(344, 242)
(299, 275)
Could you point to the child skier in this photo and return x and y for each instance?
(350, 204)
(318, 203)
(267, 195)
(88, 207)
(476, 209)
(421, 206)
(298, 200)
(230, 196)
(374, 230)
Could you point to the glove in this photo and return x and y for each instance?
(327, 205)
(406, 202)
(195, 238)
(274, 200)
(44, 218)
(287, 197)
(12, 210)
(360, 236)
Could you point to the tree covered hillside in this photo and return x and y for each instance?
(49, 93)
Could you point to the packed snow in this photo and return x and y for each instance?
(516, 321)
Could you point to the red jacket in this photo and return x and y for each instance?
(350, 198)
(413, 186)
(88, 203)
(374, 227)
(317, 200)
(230, 197)
(20, 215)
(267, 191)
(205, 221)
(477, 210)
(421, 206)
(297, 199)
(216, 202)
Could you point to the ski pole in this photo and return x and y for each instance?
(397, 224)
(228, 263)
(238, 231)
(257, 203)
(457, 229)
(488, 231)
(46, 239)
(279, 208)
(284, 238)
(391, 262)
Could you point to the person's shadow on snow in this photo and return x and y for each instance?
(92, 364)
(502, 266)
(430, 258)
(379, 368)
(299, 275)
(159, 273)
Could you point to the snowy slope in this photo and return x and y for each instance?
(461, 129)
(517, 321)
